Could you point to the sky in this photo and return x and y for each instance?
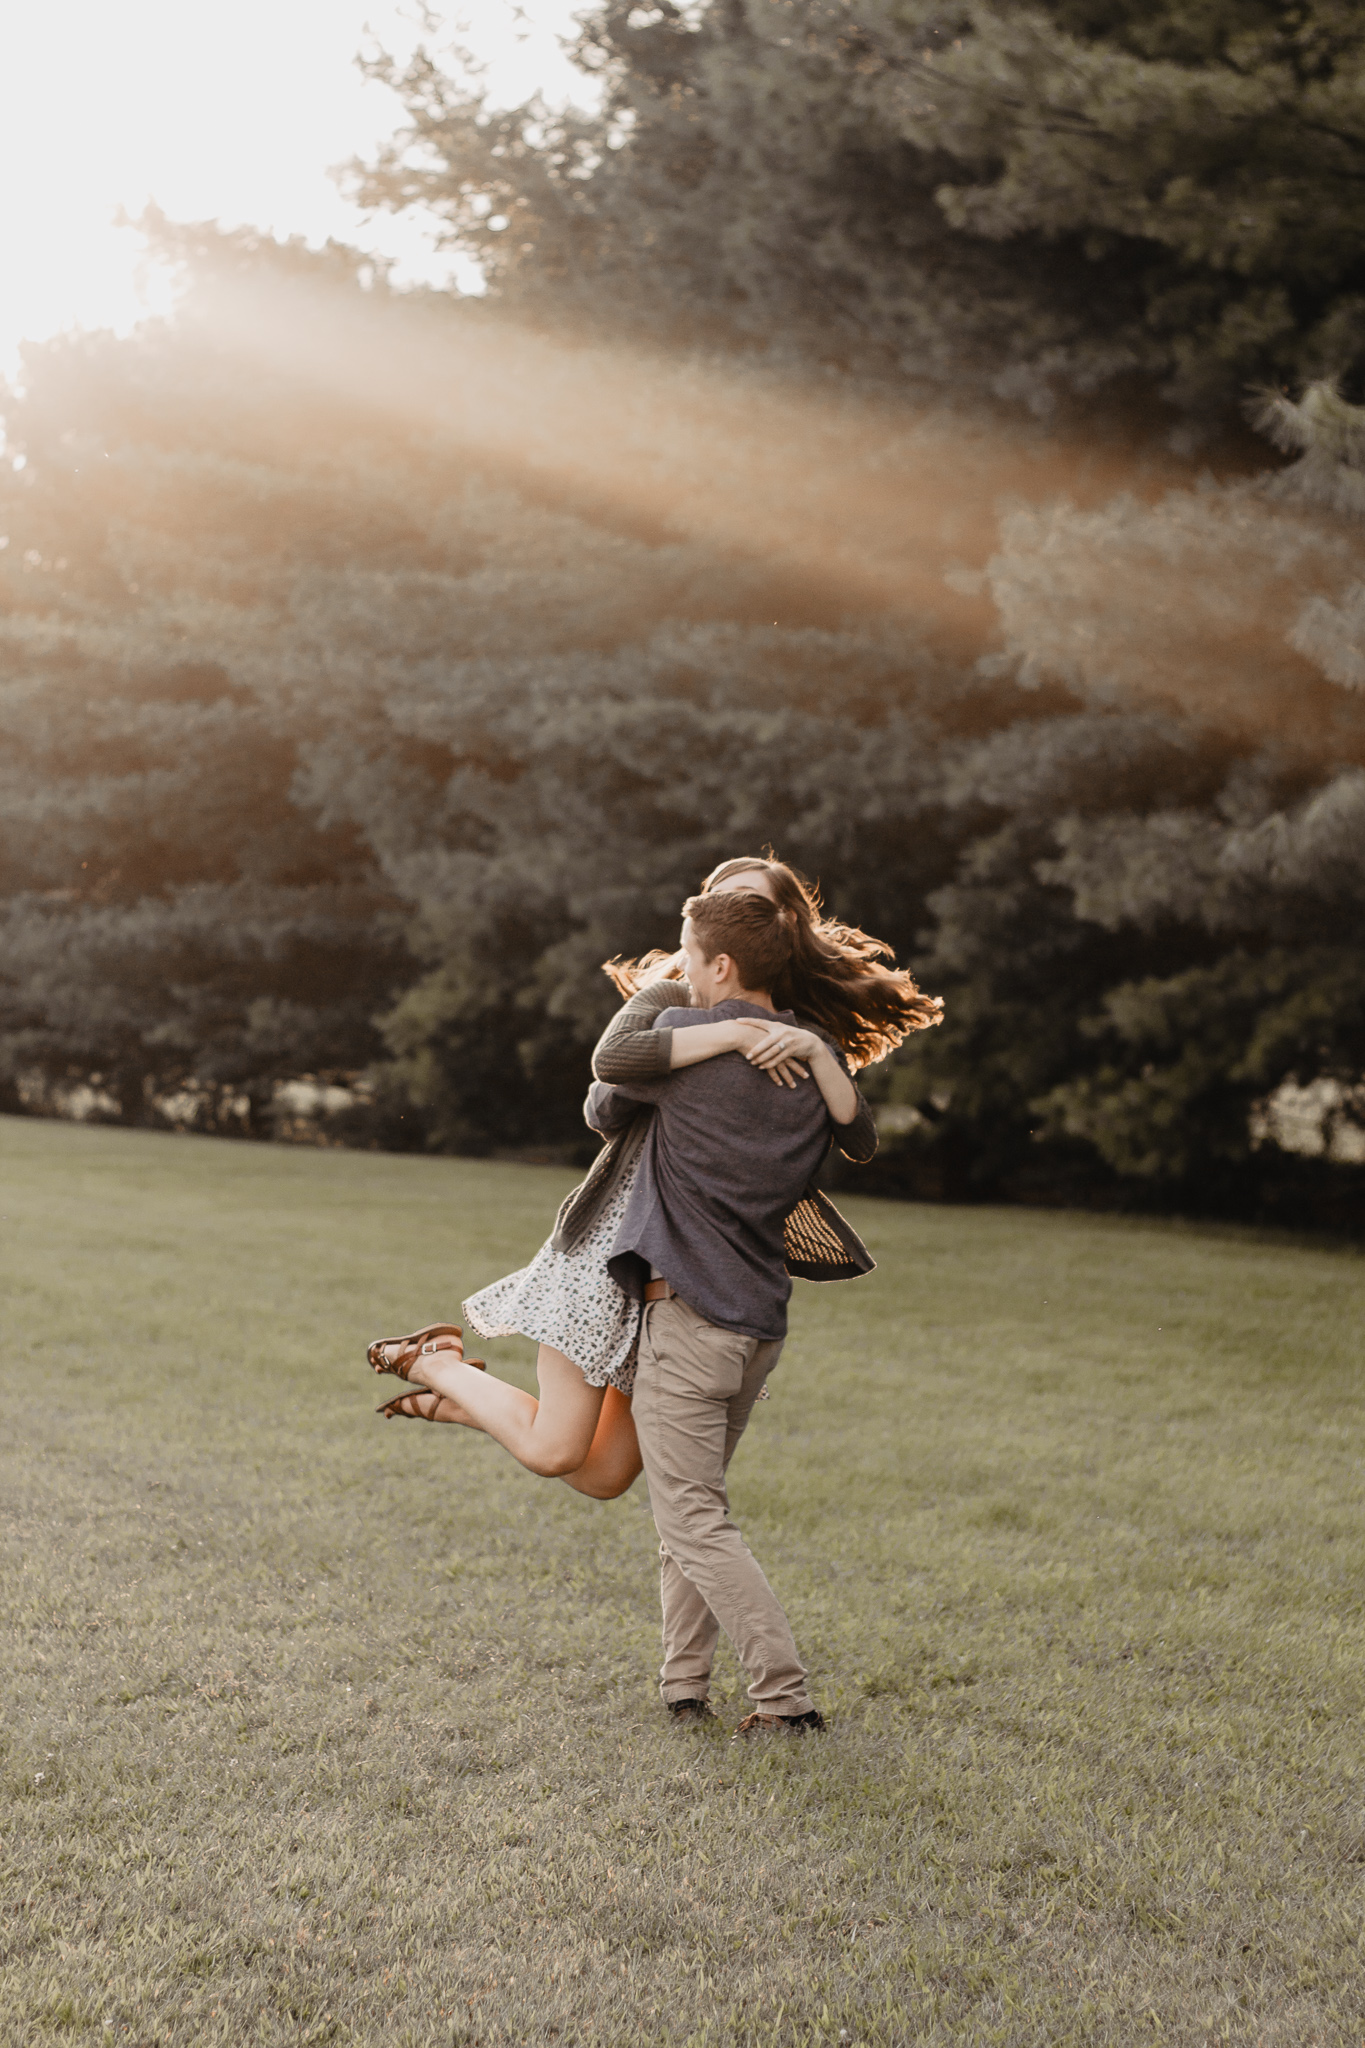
(229, 113)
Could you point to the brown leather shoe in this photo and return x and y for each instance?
(779, 1724)
(689, 1713)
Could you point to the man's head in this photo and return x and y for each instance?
(736, 943)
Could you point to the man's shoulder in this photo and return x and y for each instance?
(723, 1013)
(678, 1018)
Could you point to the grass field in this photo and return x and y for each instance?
(321, 1729)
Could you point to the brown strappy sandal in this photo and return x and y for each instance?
(417, 1338)
(395, 1411)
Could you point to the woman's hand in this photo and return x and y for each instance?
(777, 1048)
(781, 1049)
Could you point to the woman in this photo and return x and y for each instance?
(580, 1430)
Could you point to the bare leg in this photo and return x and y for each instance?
(572, 1432)
(613, 1464)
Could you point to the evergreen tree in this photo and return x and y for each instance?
(362, 688)
(329, 733)
(1162, 924)
(1044, 198)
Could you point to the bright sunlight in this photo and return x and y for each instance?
(235, 115)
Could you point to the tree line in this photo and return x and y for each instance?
(376, 664)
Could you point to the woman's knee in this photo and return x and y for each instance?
(616, 1476)
(549, 1463)
(607, 1486)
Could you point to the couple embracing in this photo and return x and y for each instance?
(659, 1303)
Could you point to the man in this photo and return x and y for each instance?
(701, 1243)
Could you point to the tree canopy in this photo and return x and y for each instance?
(1047, 198)
(373, 665)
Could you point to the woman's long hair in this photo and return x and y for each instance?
(836, 977)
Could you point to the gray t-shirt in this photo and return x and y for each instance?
(727, 1157)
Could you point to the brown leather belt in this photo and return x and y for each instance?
(660, 1290)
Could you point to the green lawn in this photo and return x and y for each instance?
(321, 1729)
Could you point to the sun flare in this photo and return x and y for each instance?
(236, 116)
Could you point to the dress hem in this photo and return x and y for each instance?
(599, 1376)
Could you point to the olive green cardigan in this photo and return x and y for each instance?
(820, 1243)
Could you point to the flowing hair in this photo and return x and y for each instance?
(836, 976)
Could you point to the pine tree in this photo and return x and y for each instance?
(363, 689)
(1164, 927)
(337, 737)
(1045, 199)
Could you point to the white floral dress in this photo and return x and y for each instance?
(570, 1300)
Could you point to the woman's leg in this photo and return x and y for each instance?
(571, 1432)
(613, 1463)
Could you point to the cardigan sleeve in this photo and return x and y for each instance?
(630, 1049)
(609, 1109)
(858, 1140)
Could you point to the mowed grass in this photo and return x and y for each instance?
(322, 1729)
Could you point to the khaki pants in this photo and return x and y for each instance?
(694, 1389)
